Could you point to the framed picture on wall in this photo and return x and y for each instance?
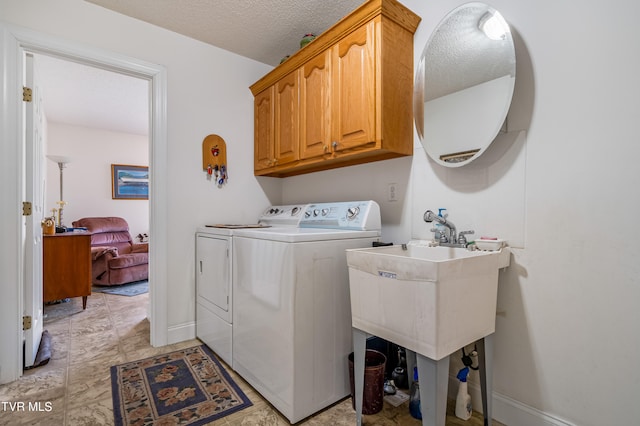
(129, 182)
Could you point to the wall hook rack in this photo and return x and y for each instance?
(214, 159)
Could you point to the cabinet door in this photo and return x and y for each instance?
(354, 89)
(66, 266)
(263, 153)
(286, 119)
(315, 106)
(213, 278)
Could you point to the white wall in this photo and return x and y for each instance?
(208, 92)
(87, 179)
(567, 336)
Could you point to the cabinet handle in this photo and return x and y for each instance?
(201, 266)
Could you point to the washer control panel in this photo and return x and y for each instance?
(352, 215)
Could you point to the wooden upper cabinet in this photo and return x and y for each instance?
(263, 129)
(315, 107)
(354, 89)
(344, 99)
(286, 119)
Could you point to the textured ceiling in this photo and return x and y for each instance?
(258, 29)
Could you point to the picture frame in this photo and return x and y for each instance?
(129, 182)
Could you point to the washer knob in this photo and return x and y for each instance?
(316, 212)
(294, 211)
(325, 212)
(352, 212)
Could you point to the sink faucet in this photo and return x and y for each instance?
(451, 240)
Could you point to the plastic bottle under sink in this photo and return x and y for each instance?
(463, 399)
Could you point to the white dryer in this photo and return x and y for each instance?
(292, 313)
(214, 276)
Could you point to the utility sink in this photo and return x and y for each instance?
(430, 300)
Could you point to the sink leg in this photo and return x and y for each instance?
(411, 362)
(359, 350)
(485, 361)
(433, 377)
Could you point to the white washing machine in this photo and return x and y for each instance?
(214, 277)
(292, 314)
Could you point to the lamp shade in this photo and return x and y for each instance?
(59, 159)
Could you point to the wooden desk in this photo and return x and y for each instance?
(66, 262)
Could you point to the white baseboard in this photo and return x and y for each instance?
(507, 410)
(182, 332)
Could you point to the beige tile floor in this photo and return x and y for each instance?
(74, 388)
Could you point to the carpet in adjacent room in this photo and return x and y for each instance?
(129, 289)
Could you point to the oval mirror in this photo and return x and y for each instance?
(464, 84)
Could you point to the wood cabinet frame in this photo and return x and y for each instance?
(344, 99)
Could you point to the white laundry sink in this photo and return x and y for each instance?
(430, 300)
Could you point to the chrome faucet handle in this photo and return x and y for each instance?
(461, 237)
(439, 236)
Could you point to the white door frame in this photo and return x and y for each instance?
(12, 39)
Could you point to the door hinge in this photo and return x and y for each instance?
(26, 208)
(26, 323)
(27, 94)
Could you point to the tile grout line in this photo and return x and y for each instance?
(67, 372)
(120, 346)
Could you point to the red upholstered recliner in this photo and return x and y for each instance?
(116, 259)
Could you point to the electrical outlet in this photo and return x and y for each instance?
(392, 192)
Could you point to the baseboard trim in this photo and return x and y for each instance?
(182, 332)
(507, 410)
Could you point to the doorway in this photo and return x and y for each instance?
(95, 118)
(14, 42)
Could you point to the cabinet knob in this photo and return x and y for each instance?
(334, 144)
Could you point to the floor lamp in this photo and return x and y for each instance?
(62, 163)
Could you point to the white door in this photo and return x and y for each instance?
(33, 193)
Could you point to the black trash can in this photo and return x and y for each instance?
(374, 367)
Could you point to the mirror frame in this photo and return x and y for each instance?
(462, 157)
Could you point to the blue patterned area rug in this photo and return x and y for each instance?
(186, 387)
(130, 289)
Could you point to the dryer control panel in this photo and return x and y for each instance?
(352, 215)
(289, 215)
